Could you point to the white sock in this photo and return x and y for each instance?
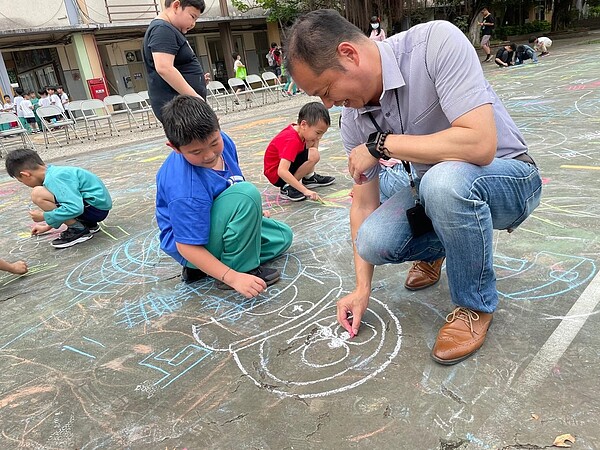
(309, 175)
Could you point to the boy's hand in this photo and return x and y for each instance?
(311, 195)
(18, 267)
(37, 215)
(247, 285)
(39, 228)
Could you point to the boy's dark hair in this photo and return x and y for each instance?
(186, 119)
(512, 46)
(313, 113)
(198, 4)
(273, 44)
(42, 92)
(19, 91)
(235, 55)
(6, 95)
(485, 8)
(22, 159)
(532, 39)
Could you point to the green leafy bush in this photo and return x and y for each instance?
(502, 32)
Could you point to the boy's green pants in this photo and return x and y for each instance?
(240, 237)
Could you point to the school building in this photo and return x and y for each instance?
(90, 46)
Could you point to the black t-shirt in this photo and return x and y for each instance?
(487, 29)
(504, 55)
(162, 37)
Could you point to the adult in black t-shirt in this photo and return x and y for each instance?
(487, 25)
(172, 66)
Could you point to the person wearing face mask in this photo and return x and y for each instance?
(375, 31)
(172, 66)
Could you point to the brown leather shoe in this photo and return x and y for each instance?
(461, 336)
(423, 274)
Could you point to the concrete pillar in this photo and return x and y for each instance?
(88, 58)
(273, 33)
(4, 80)
(227, 43)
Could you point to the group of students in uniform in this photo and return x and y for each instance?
(25, 104)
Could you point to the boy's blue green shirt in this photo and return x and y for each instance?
(71, 186)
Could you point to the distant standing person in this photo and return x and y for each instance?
(375, 31)
(274, 60)
(487, 25)
(172, 66)
(541, 44)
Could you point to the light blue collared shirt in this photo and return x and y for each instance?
(438, 77)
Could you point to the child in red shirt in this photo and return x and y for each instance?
(292, 155)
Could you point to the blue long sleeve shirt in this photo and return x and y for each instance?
(71, 187)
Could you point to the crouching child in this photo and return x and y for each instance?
(211, 220)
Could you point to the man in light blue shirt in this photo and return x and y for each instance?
(420, 96)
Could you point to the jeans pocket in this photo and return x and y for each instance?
(530, 204)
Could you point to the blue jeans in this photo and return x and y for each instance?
(465, 203)
(391, 180)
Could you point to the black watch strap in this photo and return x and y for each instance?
(375, 145)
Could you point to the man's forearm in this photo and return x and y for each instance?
(362, 269)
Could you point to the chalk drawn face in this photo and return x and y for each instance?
(312, 134)
(205, 153)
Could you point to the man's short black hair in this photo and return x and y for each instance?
(22, 159)
(186, 119)
(198, 4)
(314, 39)
(532, 39)
(313, 113)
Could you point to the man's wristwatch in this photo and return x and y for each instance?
(376, 145)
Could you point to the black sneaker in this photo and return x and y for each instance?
(94, 227)
(291, 193)
(268, 275)
(72, 236)
(190, 275)
(317, 181)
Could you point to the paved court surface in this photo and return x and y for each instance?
(102, 347)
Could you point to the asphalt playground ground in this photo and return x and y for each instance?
(103, 347)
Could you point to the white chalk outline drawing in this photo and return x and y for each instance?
(310, 324)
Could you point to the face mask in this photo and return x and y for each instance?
(374, 26)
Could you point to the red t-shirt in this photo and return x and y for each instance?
(286, 145)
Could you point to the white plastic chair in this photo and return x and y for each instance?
(258, 86)
(144, 95)
(218, 94)
(118, 107)
(17, 131)
(273, 83)
(246, 91)
(136, 104)
(95, 111)
(53, 119)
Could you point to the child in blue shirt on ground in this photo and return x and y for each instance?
(68, 195)
(211, 221)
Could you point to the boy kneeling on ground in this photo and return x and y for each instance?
(211, 221)
(69, 195)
